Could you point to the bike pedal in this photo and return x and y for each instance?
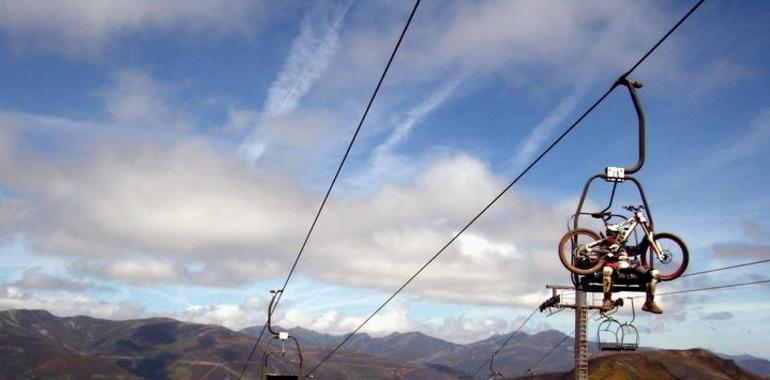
(618, 302)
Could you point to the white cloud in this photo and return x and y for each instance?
(311, 53)
(172, 202)
(746, 142)
(415, 116)
(67, 305)
(718, 74)
(252, 312)
(336, 323)
(137, 100)
(543, 130)
(750, 142)
(463, 329)
(83, 28)
(139, 214)
(36, 278)
(510, 39)
(387, 165)
(240, 120)
(136, 270)
(460, 328)
(475, 246)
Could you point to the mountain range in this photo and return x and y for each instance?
(35, 344)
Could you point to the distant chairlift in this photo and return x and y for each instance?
(611, 335)
(493, 373)
(275, 374)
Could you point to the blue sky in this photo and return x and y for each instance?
(166, 159)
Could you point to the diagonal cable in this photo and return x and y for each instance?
(547, 354)
(505, 190)
(557, 345)
(336, 176)
(716, 287)
(726, 268)
(508, 339)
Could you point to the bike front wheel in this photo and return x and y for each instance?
(575, 254)
(673, 258)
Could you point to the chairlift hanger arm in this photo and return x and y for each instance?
(492, 370)
(270, 309)
(632, 85)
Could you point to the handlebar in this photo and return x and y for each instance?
(633, 208)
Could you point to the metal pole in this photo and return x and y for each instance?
(581, 341)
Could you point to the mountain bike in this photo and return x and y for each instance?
(584, 251)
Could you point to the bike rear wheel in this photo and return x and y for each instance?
(675, 256)
(574, 255)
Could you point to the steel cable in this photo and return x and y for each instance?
(336, 176)
(508, 339)
(505, 190)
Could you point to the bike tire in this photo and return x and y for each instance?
(574, 240)
(678, 258)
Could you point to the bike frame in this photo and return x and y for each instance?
(632, 222)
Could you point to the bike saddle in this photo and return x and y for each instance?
(601, 215)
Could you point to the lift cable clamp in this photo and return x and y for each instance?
(614, 174)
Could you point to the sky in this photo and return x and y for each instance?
(167, 159)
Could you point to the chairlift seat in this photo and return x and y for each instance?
(623, 281)
(618, 347)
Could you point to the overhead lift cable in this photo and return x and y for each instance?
(505, 190)
(547, 354)
(725, 268)
(716, 287)
(336, 175)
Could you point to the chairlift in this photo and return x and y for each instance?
(282, 337)
(607, 334)
(612, 335)
(616, 175)
(629, 337)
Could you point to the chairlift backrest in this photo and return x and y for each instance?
(607, 336)
(629, 337)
